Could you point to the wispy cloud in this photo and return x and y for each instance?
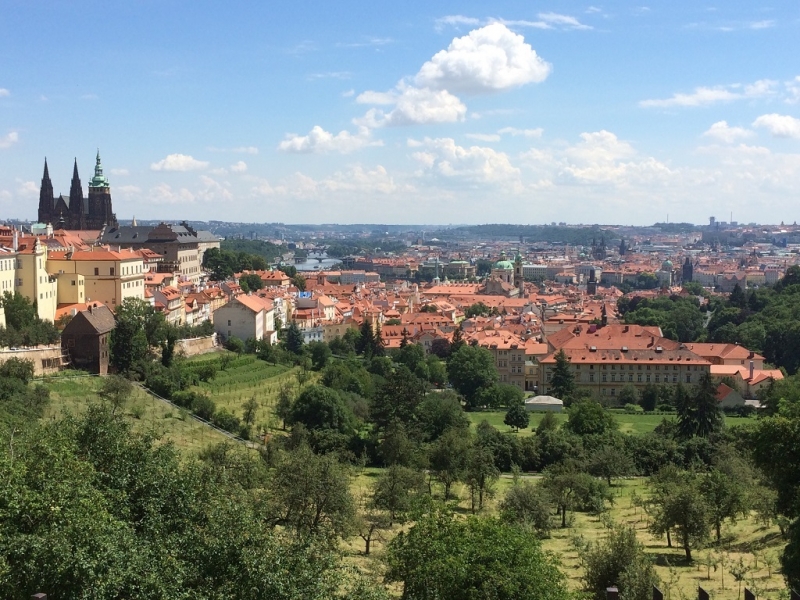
(706, 96)
(4, 93)
(237, 150)
(367, 42)
(330, 75)
(484, 137)
(544, 20)
(9, 139)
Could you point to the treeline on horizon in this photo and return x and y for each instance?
(532, 233)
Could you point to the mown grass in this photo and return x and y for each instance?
(628, 423)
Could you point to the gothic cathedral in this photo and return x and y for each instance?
(76, 212)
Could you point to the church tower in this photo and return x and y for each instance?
(519, 281)
(77, 217)
(100, 211)
(46, 197)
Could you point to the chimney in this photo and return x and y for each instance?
(15, 242)
(752, 369)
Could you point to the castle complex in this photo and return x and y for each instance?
(76, 212)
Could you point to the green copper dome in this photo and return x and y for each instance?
(99, 180)
(504, 264)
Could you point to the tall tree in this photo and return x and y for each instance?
(516, 416)
(471, 369)
(293, 339)
(562, 381)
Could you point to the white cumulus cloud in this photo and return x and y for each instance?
(490, 59)
(8, 140)
(120, 172)
(164, 194)
(725, 133)
(779, 125)
(4, 93)
(474, 164)
(239, 167)
(413, 106)
(179, 162)
(320, 141)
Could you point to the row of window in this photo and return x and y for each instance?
(639, 378)
(8, 264)
(639, 367)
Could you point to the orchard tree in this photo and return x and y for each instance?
(444, 557)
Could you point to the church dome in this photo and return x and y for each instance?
(504, 264)
(666, 265)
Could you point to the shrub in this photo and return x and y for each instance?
(204, 407)
(633, 409)
(224, 419)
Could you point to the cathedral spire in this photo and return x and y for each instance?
(46, 198)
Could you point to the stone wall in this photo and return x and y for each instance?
(194, 346)
(46, 359)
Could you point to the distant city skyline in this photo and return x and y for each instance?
(435, 113)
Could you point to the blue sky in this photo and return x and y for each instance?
(412, 112)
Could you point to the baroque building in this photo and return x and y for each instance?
(74, 211)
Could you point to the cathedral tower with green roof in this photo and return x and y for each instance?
(76, 212)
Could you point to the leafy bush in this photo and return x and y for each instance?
(633, 409)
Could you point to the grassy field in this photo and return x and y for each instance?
(757, 546)
(73, 395)
(628, 423)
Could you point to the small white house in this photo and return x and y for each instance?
(544, 404)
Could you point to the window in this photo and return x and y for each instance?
(613, 392)
(72, 282)
(688, 378)
(605, 377)
(111, 271)
(630, 377)
(648, 378)
(96, 271)
(658, 378)
(674, 378)
(229, 324)
(591, 376)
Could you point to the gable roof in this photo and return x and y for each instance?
(97, 320)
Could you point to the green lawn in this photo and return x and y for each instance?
(628, 423)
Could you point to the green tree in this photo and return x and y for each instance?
(448, 458)
(681, 506)
(439, 412)
(517, 417)
(293, 339)
(588, 417)
(320, 354)
(443, 557)
(528, 505)
(251, 282)
(311, 493)
(116, 391)
(707, 415)
(562, 380)
(397, 399)
(470, 370)
(480, 475)
(618, 560)
(396, 489)
(725, 496)
(138, 327)
(609, 461)
(649, 397)
(319, 407)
